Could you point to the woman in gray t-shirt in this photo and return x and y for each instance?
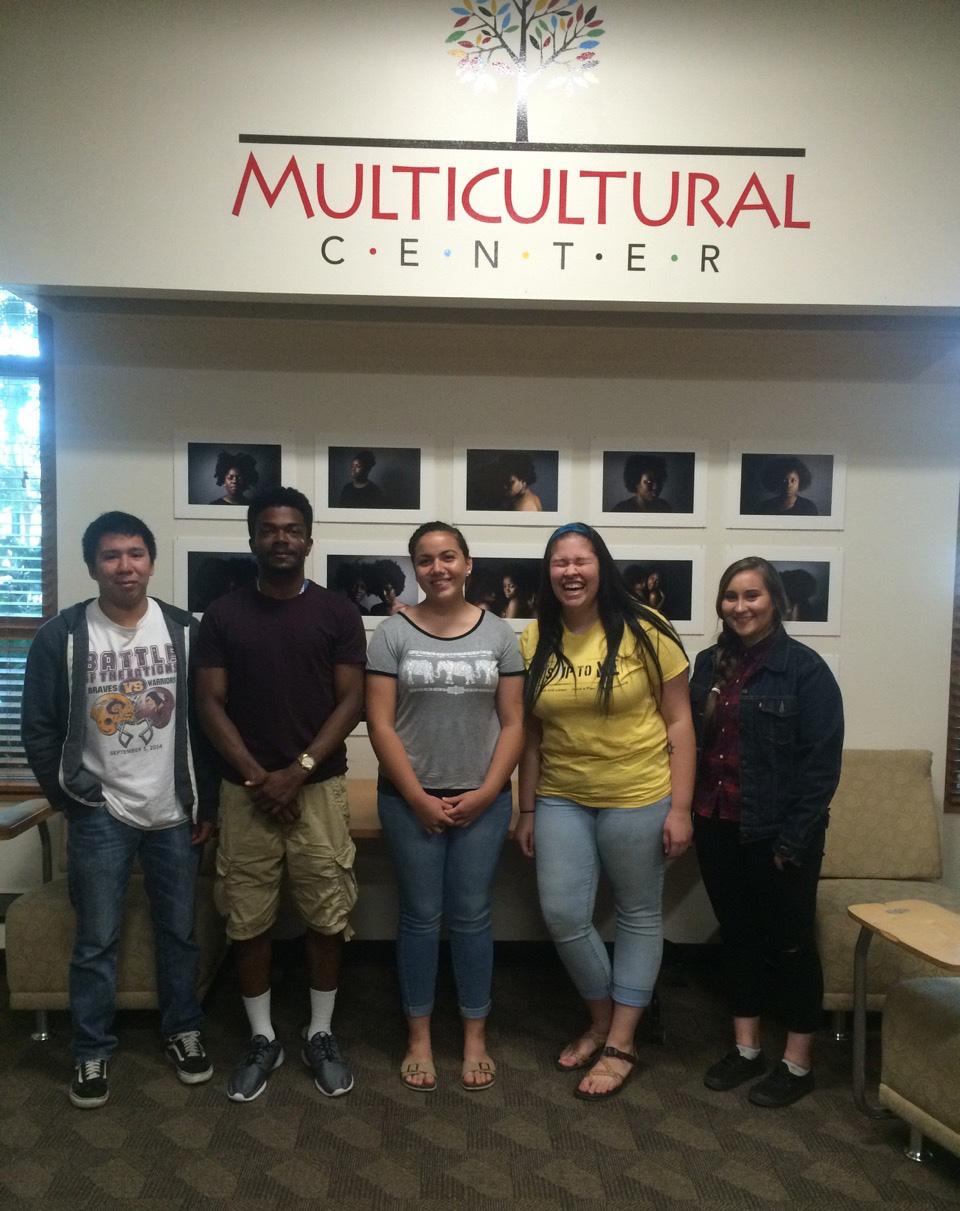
(445, 715)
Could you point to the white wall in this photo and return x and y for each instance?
(122, 158)
(884, 392)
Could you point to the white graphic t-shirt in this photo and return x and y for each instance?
(131, 703)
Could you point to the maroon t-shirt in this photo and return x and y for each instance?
(279, 656)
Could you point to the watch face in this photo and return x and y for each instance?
(306, 761)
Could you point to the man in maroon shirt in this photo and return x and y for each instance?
(279, 687)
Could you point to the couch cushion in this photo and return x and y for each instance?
(40, 929)
(921, 1046)
(883, 821)
(837, 934)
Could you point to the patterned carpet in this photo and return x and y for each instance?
(526, 1145)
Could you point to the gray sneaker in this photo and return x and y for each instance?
(249, 1079)
(331, 1072)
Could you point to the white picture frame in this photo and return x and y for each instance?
(524, 558)
(675, 577)
(480, 470)
(331, 556)
(818, 563)
(826, 467)
(684, 465)
(195, 457)
(187, 571)
(395, 466)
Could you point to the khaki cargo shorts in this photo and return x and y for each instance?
(317, 850)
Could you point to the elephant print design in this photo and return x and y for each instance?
(449, 674)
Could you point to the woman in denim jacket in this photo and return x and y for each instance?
(769, 722)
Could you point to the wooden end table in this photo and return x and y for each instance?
(922, 928)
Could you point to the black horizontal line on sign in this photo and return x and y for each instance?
(638, 149)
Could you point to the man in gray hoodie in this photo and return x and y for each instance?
(108, 730)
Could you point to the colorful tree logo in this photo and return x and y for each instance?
(525, 39)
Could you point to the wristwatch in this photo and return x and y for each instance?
(305, 761)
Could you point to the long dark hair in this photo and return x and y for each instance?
(729, 648)
(618, 611)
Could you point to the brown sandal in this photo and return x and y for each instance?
(415, 1068)
(603, 1069)
(484, 1067)
(586, 1060)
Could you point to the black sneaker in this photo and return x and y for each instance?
(780, 1087)
(331, 1072)
(733, 1070)
(185, 1052)
(89, 1089)
(249, 1079)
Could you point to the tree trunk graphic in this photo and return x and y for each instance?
(521, 136)
(524, 38)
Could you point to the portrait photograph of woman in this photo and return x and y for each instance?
(786, 490)
(510, 486)
(666, 579)
(647, 487)
(211, 478)
(505, 584)
(379, 582)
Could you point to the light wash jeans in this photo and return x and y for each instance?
(444, 875)
(573, 844)
(100, 856)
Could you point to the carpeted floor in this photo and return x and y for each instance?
(527, 1144)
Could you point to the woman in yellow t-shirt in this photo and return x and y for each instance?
(606, 781)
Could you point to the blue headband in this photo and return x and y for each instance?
(573, 527)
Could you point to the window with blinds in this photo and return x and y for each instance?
(27, 510)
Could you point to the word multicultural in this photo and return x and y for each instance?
(568, 197)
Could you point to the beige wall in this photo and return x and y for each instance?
(885, 392)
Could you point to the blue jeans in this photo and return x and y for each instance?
(444, 875)
(100, 854)
(572, 845)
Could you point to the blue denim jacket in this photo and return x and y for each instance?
(791, 739)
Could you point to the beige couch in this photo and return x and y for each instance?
(883, 843)
(921, 1060)
(40, 932)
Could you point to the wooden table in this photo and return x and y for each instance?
(16, 818)
(923, 929)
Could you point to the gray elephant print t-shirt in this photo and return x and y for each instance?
(446, 708)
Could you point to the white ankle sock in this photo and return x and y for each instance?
(321, 1011)
(795, 1069)
(748, 1053)
(258, 1014)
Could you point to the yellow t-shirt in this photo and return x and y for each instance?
(614, 760)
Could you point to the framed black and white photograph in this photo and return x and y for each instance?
(812, 579)
(505, 580)
(361, 480)
(376, 576)
(516, 486)
(214, 478)
(206, 568)
(669, 579)
(781, 489)
(661, 484)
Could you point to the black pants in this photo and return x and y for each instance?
(766, 921)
